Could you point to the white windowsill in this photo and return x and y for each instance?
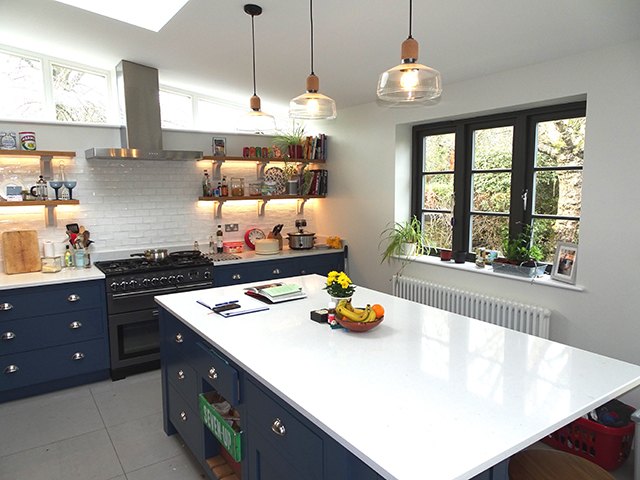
(545, 280)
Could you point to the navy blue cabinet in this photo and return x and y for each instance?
(281, 267)
(52, 337)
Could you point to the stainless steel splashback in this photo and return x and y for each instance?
(139, 103)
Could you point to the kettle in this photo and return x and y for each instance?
(40, 190)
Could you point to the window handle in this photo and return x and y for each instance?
(524, 198)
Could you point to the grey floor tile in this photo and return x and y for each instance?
(87, 457)
(41, 425)
(142, 442)
(46, 399)
(127, 400)
(182, 467)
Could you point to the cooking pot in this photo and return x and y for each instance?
(301, 240)
(154, 254)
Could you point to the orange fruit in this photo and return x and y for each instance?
(378, 309)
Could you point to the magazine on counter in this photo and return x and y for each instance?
(276, 292)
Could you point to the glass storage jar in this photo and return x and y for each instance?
(237, 187)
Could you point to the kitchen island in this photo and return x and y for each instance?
(427, 394)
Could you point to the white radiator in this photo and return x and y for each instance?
(517, 316)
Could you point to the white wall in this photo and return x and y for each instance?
(133, 205)
(370, 164)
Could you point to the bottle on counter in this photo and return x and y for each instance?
(219, 240)
(331, 312)
(224, 189)
(206, 185)
(216, 191)
(68, 258)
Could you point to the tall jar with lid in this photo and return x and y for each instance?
(237, 187)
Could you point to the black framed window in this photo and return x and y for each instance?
(476, 180)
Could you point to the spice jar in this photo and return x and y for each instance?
(237, 187)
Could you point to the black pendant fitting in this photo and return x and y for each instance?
(253, 10)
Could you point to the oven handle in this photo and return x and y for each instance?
(155, 291)
(195, 286)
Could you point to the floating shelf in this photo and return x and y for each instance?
(261, 159)
(50, 218)
(261, 199)
(36, 153)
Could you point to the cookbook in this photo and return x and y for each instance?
(276, 292)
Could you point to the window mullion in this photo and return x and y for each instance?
(462, 188)
(521, 184)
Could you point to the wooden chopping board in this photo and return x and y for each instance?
(21, 251)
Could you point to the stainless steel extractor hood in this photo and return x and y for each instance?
(139, 101)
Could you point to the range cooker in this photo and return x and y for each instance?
(134, 338)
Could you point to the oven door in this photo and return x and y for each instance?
(134, 338)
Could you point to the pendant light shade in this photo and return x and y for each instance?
(256, 121)
(312, 105)
(410, 83)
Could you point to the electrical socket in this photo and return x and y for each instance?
(230, 227)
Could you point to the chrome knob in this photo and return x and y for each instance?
(146, 282)
(207, 274)
(303, 272)
(179, 338)
(183, 416)
(77, 356)
(276, 271)
(236, 276)
(8, 336)
(75, 325)
(73, 297)
(163, 280)
(11, 369)
(172, 279)
(179, 278)
(5, 306)
(277, 427)
(114, 287)
(180, 375)
(133, 284)
(123, 286)
(212, 373)
(155, 282)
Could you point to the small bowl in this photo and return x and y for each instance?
(357, 326)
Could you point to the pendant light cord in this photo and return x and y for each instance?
(311, 17)
(410, 17)
(253, 42)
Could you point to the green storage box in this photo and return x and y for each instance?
(228, 437)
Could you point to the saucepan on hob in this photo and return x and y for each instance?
(154, 254)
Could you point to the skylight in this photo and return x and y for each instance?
(149, 14)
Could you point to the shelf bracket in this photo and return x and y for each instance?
(215, 169)
(45, 167)
(300, 208)
(261, 204)
(260, 166)
(217, 208)
(50, 216)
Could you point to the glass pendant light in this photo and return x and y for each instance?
(312, 105)
(410, 83)
(256, 121)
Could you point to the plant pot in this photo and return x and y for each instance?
(459, 257)
(445, 254)
(292, 187)
(408, 249)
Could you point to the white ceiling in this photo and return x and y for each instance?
(206, 47)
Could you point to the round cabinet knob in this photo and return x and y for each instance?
(183, 416)
(11, 369)
(179, 338)
(212, 373)
(8, 336)
(303, 272)
(276, 271)
(277, 427)
(236, 276)
(77, 356)
(180, 375)
(73, 297)
(75, 325)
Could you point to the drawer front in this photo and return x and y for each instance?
(217, 372)
(253, 272)
(34, 301)
(57, 329)
(178, 334)
(182, 376)
(296, 443)
(30, 368)
(320, 264)
(187, 422)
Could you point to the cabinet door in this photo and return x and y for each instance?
(265, 463)
(320, 264)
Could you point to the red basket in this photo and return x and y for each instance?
(608, 447)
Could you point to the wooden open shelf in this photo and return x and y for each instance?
(221, 468)
(260, 159)
(36, 153)
(35, 203)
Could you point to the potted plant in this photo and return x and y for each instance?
(521, 257)
(339, 286)
(288, 142)
(291, 174)
(405, 240)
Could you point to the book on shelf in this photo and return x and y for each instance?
(276, 292)
(314, 148)
(318, 184)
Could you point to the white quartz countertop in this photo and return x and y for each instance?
(35, 279)
(426, 394)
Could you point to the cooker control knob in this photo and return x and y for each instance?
(163, 280)
(123, 286)
(172, 279)
(133, 284)
(155, 282)
(207, 274)
(179, 278)
(114, 287)
(146, 282)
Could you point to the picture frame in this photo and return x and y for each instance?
(565, 262)
(219, 145)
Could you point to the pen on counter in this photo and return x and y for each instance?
(226, 303)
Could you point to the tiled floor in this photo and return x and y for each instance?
(104, 431)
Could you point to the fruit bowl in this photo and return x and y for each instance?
(357, 326)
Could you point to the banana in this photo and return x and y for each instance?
(342, 303)
(348, 305)
(371, 315)
(351, 316)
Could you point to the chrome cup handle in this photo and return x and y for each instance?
(277, 427)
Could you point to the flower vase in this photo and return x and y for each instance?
(336, 300)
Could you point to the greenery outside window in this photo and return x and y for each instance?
(480, 179)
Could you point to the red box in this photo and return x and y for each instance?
(608, 447)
